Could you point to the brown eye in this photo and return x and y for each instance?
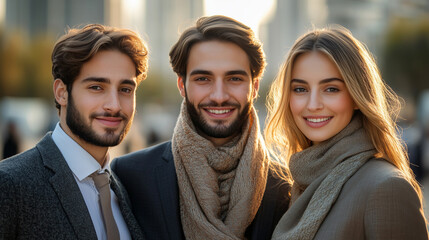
(126, 90)
(96, 87)
(236, 79)
(201, 79)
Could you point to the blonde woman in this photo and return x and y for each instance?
(332, 121)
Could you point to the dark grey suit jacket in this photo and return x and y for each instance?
(40, 199)
(150, 178)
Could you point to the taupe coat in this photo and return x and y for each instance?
(375, 203)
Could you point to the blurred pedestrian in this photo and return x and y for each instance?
(62, 188)
(333, 120)
(11, 143)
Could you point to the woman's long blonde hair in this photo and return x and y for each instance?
(378, 103)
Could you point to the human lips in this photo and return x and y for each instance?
(110, 121)
(219, 112)
(317, 121)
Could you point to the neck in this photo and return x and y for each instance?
(97, 152)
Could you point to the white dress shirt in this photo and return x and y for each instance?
(82, 164)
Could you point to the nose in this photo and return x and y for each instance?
(219, 92)
(314, 102)
(112, 102)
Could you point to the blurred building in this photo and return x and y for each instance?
(35, 17)
(161, 23)
(165, 21)
(289, 20)
(367, 20)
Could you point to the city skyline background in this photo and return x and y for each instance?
(395, 31)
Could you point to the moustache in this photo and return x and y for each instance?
(106, 114)
(223, 104)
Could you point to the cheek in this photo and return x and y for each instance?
(128, 105)
(85, 102)
(244, 94)
(196, 94)
(296, 105)
(343, 106)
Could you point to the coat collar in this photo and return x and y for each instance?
(66, 188)
(167, 155)
(169, 193)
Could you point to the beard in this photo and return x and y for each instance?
(220, 130)
(78, 126)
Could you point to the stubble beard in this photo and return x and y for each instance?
(78, 126)
(220, 130)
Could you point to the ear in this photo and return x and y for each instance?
(60, 92)
(255, 87)
(181, 86)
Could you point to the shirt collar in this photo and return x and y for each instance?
(78, 159)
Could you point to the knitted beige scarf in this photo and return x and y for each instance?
(319, 172)
(220, 188)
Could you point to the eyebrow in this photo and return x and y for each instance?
(203, 72)
(237, 72)
(105, 80)
(327, 80)
(232, 72)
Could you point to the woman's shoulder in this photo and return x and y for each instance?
(382, 182)
(392, 203)
(378, 170)
(378, 177)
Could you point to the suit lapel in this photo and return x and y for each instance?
(124, 205)
(262, 223)
(272, 208)
(169, 194)
(67, 190)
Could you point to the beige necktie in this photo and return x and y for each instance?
(102, 183)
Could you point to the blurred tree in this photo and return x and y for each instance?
(406, 57)
(150, 89)
(1, 61)
(38, 66)
(12, 67)
(25, 66)
(157, 90)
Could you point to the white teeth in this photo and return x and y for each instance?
(317, 120)
(219, 111)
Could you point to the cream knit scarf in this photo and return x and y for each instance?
(319, 172)
(220, 188)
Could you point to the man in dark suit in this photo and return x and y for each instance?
(214, 179)
(60, 188)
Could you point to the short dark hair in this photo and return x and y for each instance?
(78, 46)
(220, 28)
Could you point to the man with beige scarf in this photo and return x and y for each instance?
(214, 179)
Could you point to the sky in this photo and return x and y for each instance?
(249, 12)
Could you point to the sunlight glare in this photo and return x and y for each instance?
(249, 12)
(133, 13)
(2, 11)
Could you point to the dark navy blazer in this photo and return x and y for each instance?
(149, 176)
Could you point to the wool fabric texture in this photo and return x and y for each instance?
(319, 172)
(220, 188)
